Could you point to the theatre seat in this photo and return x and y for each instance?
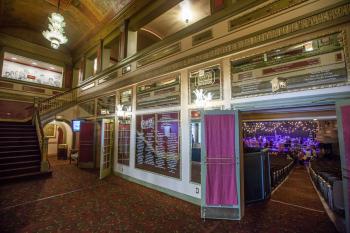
(338, 195)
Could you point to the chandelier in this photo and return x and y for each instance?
(55, 34)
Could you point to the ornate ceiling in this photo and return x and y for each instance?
(26, 19)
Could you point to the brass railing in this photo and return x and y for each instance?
(58, 102)
(43, 140)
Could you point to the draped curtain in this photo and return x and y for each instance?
(221, 187)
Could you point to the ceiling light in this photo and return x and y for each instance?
(13, 58)
(186, 13)
(55, 34)
(52, 68)
(34, 63)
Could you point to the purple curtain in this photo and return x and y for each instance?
(345, 111)
(221, 188)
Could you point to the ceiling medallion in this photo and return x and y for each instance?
(55, 34)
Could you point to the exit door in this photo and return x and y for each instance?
(106, 149)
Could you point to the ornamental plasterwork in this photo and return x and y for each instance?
(263, 12)
(251, 41)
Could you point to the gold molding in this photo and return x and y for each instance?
(272, 8)
(162, 53)
(202, 37)
(254, 40)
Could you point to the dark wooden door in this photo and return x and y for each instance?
(86, 145)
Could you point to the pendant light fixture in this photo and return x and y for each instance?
(55, 34)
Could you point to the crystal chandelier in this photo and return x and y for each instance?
(55, 34)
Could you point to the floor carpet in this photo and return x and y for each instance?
(74, 200)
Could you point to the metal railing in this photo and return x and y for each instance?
(43, 140)
(58, 101)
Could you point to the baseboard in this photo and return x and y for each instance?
(184, 197)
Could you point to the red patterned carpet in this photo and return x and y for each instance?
(74, 200)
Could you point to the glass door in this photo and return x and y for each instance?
(222, 196)
(106, 149)
(343, 115)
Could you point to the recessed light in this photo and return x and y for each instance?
(13, 58)
(52, 68)
(34, 63)
(315, 119)
(8, 113)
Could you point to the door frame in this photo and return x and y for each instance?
(344, 170)
(111, 162)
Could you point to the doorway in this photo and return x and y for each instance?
(302, 146)
(60, 141)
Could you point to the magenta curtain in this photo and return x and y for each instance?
(345, 111)
(221, 188)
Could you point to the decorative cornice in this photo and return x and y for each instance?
(162, 53)
(251, 41)
(201, 37)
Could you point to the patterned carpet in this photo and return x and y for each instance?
(74, 200)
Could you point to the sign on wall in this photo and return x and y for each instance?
(27, 73)
(159, 93)
(157, 143)
(208, 79)
(316, 63)
(125, 99)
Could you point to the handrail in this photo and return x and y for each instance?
(43, 140)
(58, 101)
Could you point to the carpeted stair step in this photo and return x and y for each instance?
(17, 138)
(22, 124)
(19, 171)
(19, 152)
(25, 176)
(18, 129)
(18, 142)
(14, 133)
(10, 148)
(13, 159)
(19, 164)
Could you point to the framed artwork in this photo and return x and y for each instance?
(50, 130)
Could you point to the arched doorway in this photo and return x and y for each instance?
(60, 141)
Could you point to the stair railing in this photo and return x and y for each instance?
(58, 102)
(43, 140)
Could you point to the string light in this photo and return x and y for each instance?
(280, 127)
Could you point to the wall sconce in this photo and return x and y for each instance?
(202, 97)
(279, 84)
(123, 111)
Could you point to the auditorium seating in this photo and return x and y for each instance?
(327, 177)
(279, 168)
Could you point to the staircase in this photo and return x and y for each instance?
(20, 156)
